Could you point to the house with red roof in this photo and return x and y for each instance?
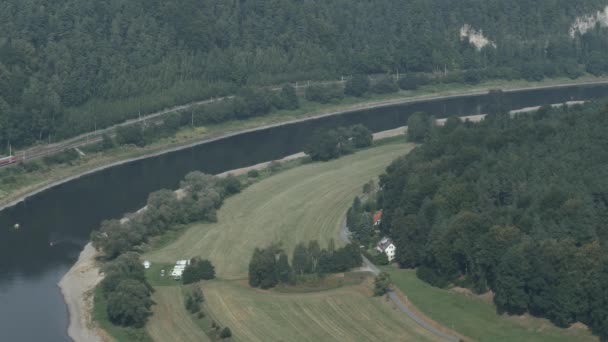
(377, 218)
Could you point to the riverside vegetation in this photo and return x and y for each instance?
(67, 67)
(514, 205)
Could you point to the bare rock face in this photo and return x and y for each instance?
(475, 37)
(585, 23)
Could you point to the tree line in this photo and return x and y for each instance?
(515, 205)
(69, 66)
(327, 144)
(270, 266)
(200, 197)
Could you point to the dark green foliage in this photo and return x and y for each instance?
(127, 291)
(330, 144)
(60, 77)
(198, 270)
(380, 259)
(107, 142)
(357, 85)
(270, 266)
(129, 304)
(254, 102)
(231, 185)
(361, 136)
(225, 333)
(130, 134)
(263, 267)
(61, 158)
(203, 195)
(288, 99)
(193, 301)
(283, 269)
(382, 284)
(300, 260)
(324, 94)
(172, 122)
(385, 85)
(253, 174)
(466, 208)
(412, 82)
(419, 127)
(472, 76)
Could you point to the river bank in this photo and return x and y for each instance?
(80, 281)
(77, 288)
(17, 196)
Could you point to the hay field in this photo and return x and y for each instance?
(343, 314)
(300, 204)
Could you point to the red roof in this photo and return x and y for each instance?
(377, 216)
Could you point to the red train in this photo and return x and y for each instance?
(7, 160)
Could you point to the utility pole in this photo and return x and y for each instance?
(192, 117)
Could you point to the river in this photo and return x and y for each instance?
(55, 224)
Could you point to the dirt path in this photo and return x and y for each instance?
(425, 322)
(77, 287)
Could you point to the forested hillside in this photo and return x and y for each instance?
(67, 66)
(517, 206)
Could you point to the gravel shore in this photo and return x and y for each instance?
(77, 288)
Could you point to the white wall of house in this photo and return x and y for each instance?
(390, 252)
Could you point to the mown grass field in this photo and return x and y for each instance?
(298, 205)
(171, 321)
(477, 318)
(344, 314)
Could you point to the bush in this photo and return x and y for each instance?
(61, 158)
(323, 94)
(253, 174)
(382, 284)
(288, 99)
(225, 333)
(361, 136)
(106, 142)
(412, 82)
(198, 270)
(385, 85)
(231, 185)
(129, 304)
(330, 144)
(32, 166)
(380, 259)
(472, 76)
(418, 127)
(357, 86)
(130, 134)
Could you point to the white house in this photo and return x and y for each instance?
(387, 247)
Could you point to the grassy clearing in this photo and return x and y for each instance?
(301, 204)
(329, 282)
(171, 321)
(24, 183)
(477, 318)
(345, 314)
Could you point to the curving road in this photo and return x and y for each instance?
(369, 266)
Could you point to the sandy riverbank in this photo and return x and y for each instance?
(78, 284)
(77, 288)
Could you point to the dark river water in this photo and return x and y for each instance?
(31, 305)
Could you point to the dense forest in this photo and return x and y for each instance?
(516, 206)
(70, 66)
